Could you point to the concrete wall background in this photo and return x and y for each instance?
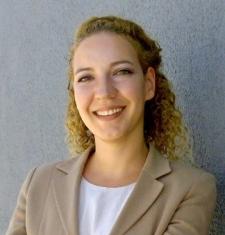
(34, 39)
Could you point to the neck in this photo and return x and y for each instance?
(118, 160)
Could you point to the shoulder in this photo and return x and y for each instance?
(40, 176)
(177, 175)
(47, 169)
(189, 172)
(191, 180)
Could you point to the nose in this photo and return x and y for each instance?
(105, 88)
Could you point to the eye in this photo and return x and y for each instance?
(85, 78)
(123, 71)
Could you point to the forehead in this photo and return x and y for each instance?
(104, 47)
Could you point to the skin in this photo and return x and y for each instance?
(108, 75)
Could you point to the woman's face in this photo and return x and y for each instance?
(110, 88)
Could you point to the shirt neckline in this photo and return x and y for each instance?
(104, 187)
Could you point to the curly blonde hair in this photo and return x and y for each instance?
(163, 123)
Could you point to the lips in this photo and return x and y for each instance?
(109, 113)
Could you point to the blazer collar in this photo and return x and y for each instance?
(65, 188)
(67, 180)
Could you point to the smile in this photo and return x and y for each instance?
(108, 112)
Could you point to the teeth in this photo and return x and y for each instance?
(109, 112)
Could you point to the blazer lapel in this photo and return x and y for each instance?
(145, 192)
(65, 187)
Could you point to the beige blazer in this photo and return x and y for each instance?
(168, 198)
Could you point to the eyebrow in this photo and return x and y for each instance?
(112, 64)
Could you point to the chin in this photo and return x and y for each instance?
(110, 137)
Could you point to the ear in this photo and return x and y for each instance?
(149, 83)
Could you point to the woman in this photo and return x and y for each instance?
(122, 120)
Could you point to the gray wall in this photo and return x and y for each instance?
(34, 41)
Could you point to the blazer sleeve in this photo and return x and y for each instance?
(17, 225)
(194, 214)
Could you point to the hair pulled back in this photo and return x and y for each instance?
(163, 122)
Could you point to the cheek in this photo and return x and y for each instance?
(134, 89)
(82, 97)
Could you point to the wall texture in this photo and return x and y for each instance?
(34, 40)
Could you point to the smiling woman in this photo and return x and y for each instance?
(126, 136)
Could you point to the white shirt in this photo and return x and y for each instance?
(100, 206)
